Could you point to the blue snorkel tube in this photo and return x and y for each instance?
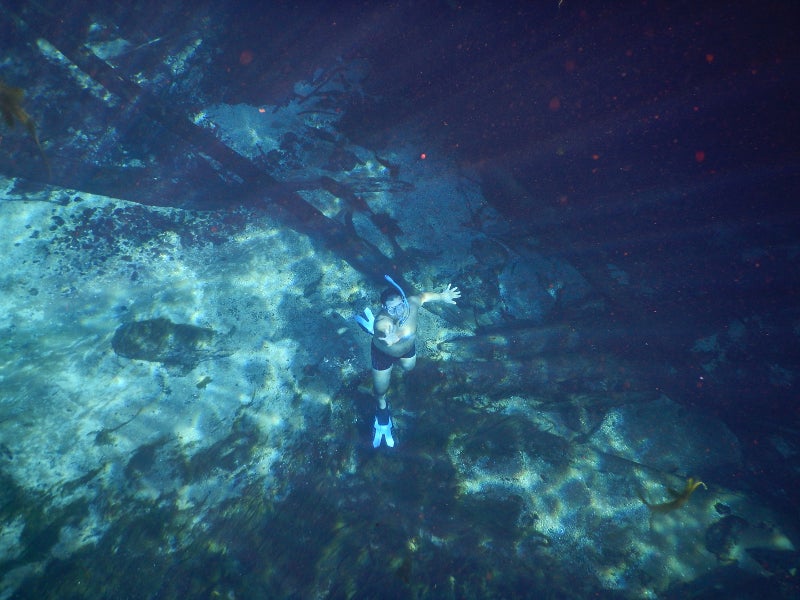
(402, 321)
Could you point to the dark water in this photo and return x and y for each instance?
(657, 137)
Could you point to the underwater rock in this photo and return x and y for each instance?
(721, 537)
(161, 340)
(542, 374)
(531, 285)
(778, 562)
(667, 436)
(514, 344)
(523, 291)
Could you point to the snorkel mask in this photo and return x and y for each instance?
(406, 308)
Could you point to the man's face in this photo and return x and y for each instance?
(395, 307)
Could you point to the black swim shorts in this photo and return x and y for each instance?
(382, 361)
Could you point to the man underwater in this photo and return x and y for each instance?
(394, 337)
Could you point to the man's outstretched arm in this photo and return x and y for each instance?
(449, 295)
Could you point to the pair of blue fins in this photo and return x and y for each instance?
(383, 420)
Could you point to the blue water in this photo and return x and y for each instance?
(611, 186)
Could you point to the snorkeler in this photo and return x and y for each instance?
(394, 336)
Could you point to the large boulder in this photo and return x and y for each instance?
(161, 340)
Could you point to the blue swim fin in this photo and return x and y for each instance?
(368, 323)
(383, 431)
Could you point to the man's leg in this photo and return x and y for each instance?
(408, 363)
(409, 360)
(380, 384)
(381, 377)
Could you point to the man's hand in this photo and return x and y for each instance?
(386, 332)
(450, 294)
(391, 337)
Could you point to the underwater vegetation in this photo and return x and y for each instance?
(679, 498)
(11, 99)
